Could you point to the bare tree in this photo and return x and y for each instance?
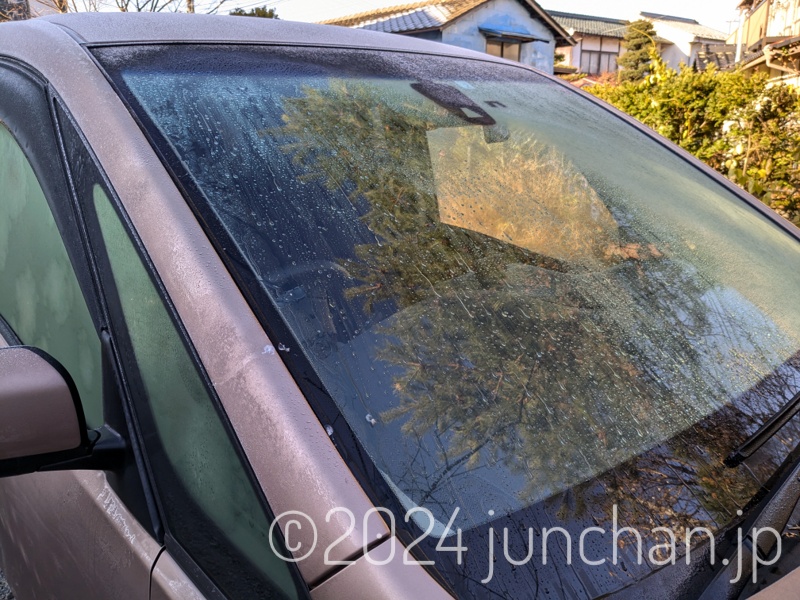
(14, 10)
(64, 6)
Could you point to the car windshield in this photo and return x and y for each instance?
(515, 299)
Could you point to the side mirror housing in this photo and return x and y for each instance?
(42, 426)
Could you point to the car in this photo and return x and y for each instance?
(298, 311)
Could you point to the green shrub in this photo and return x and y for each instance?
(740, 125)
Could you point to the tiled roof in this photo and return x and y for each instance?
(431, 14)
(790, 45)
(722, 56)
(688, 25)
(589, 25)
(793, 41)
(428, 14)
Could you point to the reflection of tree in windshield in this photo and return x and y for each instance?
(382, 151)
(494, 330)
(510, 351)
(521, 193)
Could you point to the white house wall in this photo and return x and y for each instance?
(503, 15)
(784, 18)
(682, 50)
(673, 55)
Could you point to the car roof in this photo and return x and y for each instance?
(120, 28)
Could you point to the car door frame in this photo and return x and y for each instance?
(138, 411)
(33, 537)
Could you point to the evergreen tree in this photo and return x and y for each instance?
(259, 11)
(638, 41)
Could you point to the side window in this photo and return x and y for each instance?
(40, 297)
(198, 473)
(213, 512)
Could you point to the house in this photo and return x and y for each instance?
(598, 42)
(768, 39)
(722, 56)
(684, 38)
(678, 40)
(519, 30)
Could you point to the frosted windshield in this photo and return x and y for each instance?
(501, 311)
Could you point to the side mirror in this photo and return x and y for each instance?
(42, 426)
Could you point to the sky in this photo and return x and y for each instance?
(713, 13)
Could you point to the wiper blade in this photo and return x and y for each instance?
(731, 579)
(764, 433)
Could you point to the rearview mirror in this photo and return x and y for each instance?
(42, 426)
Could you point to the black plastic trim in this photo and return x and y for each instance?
(192, 569)
(130, 477)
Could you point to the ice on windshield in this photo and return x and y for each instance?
(498, 319)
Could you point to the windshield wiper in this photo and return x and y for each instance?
(776, 514)
(764, 433)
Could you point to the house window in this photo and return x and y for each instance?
(594, 62)
(508, 50)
